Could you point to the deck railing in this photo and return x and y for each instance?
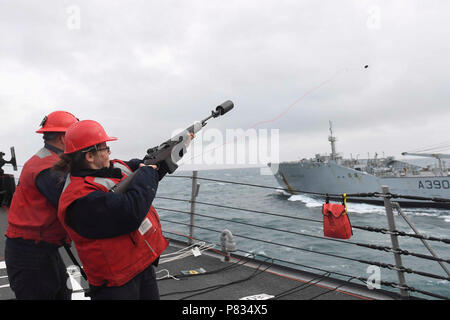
(390, 206)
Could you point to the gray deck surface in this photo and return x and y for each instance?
(243, 277)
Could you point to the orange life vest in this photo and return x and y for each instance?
(112, 261)
(31, 216)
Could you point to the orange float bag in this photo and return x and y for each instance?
(336, 223)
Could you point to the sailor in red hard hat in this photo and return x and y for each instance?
(118, 237)
(33, 263)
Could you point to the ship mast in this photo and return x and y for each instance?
(332, 140)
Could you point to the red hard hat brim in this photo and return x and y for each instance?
(56, 129)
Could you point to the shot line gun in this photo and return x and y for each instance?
(173, 149)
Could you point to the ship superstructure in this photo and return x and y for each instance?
(332, 174)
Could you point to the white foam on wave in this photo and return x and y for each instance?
(365, 208)
(424, 214)
(283, 192)
(428, 212)
(308, 201)
(351, 207)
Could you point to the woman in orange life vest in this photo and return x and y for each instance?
(118, 237)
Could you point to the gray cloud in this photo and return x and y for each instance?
(143, 68)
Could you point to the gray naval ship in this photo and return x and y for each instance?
(332, 174)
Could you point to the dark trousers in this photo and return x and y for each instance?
(141, 287)
(36, 271)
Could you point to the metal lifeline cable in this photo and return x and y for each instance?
(401, 233)
(235, 208)
(303, 286)
(351, 277)
(403, 269)
(382, 248)
(435, 199)
(269, 242)
(259, 186)
(370, 246)
(383, 265)
(334, 289)
(427, 293)
(219, 286)
(259, 226)
(404, 287)
(402, 252)
(267, 257)
(363, 195)
(262, 255)
(385, 283)
(256, 273)
(366, 228)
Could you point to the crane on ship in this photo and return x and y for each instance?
(438, 156)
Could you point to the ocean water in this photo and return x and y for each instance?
(277, 237)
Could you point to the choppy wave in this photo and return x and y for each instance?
(364, 208)
(308, 201)
(283, 192)
(361, 208)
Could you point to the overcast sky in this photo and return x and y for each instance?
(144, 68)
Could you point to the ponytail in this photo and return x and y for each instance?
(69, 162)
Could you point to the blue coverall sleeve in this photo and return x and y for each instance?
(101, 214)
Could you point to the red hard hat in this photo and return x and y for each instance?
(57, 121)
(83, 134)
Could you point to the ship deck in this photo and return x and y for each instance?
(228, 280)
